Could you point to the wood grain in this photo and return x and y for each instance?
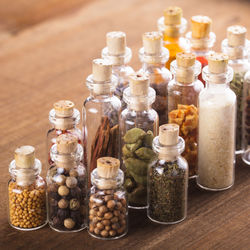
(45, 55)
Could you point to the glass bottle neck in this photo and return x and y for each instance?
(148, 66)
(139, 107)
(102, 96)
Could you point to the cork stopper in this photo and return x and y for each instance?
(25, 177)
(107, 167)
(236, 35)
(101, 70)
(64, 108)
(185, 60)
(116, 43)
(217, 63)
(152, 43)
(172, 15)
(25, 157)
(66, 143)
(139, 84)
(169, 134)
(200, 26)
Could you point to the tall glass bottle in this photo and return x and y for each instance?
(26, 191)
(153, 57)
(119, 55)
(201, 39)
(173, 26)
(236, 46)
(138, 126)
(183, 93)
(217, 119)
(67, 186)
(64, 119)
(101, 111)
(168, 178)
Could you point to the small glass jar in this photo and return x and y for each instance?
(236, 46)
(64, 118)
(67, 186)
(183, 93)
(173, 26)
(246, 120)
(217, 121)
(27, 191)
(101, 112)
(153, 64)
(168, 178)
(138, 126)
(119, 55)
(107, 209)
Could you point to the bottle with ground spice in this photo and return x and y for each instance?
(27, 191)
(64, 118)
(236, 46)
(153, 57)
(168, 178)
(202, 39)
(173, 26)
(138, 126)
(107, 205)
(67, 186)
(119, 55)
(101, 111)
(217, 121)
(183, 93)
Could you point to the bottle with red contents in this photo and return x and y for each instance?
(201, 39)
(64, 119)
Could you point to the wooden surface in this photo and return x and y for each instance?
(46, 48)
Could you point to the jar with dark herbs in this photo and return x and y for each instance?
(107, 205)
(236, 46)
(183, 93)
(64, 118)
(119, 55)
(67, 186)
(138, 126)
(168, 178)
(153, 57)
(101, 111)
(27, 191)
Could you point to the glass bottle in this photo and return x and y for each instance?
(201, 39)
(67, 186)
(183, 93)
(153, 57)
(217, 120)
(246, 120)
(236, 46)
(138, 126)
(64, 118)
(168, 178)
(173, 26)
(107, 208)
(26, 191)
(119, 55)
(101, 112)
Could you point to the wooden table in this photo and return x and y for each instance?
(46, 48)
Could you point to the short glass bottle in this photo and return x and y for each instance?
(153, 57)
(138, 126)
(183, 93)
(168, 178)
(64, 119)
(67, 186)
(173, 26)
(236, 46)
(26, 191)
(246, 120)
(108, 210)
(217, 120)
(101, 112)
(119, 55)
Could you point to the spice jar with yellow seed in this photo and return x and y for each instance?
(107, 204)
(27, 191)
(67, 186)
